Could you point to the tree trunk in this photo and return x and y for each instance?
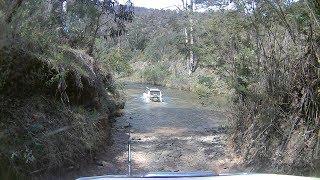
(48, 8)
(59, 13)
(189, 37)
(93, 39)
(192, 61)
(186, 34)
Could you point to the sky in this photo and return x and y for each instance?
(156, 4)
(168, 4)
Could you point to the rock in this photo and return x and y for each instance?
(118, 113)
(122, 105)
(70, 168)
(106, 165)
(99, 163)
(127, 126)
(103, 163)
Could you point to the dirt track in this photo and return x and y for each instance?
(176, 135)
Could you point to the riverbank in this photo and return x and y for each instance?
(53, 116)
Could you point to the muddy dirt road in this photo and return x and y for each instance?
(178, 134)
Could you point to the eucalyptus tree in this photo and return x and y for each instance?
(270, 55)
(70, 22)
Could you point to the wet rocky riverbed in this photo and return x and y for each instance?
(176, 135)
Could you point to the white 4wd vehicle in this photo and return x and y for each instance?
(153, 94)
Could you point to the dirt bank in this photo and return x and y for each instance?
(53, 115)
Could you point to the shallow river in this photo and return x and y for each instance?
(178, 134)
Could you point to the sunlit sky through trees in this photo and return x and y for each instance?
(172, 4)
(156, 4)
(168, 4)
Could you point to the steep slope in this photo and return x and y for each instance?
(52, 115)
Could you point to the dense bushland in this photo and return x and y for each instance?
(263, 54)
(58, 59)
(268, 52)
(57, 92)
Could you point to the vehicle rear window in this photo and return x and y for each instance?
(155, 92)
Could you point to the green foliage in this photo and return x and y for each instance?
(161, 47)
(114, 59)
(155, 74)
(33, 27)
(157, 34)
(205, 80)
(207, 86)
(1, 17)
(117, 62)
(203, 91)
(81, 23)
(4, 70)
(258, 50)
(43, 44)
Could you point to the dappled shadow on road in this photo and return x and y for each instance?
(182, 151)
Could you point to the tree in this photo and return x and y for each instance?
(189, 35)
(102, 14)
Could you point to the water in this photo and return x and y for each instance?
(178, 134)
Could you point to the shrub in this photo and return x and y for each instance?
(155, 74)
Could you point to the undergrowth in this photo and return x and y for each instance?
(52, 116)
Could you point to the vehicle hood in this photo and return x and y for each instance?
(169, 176)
